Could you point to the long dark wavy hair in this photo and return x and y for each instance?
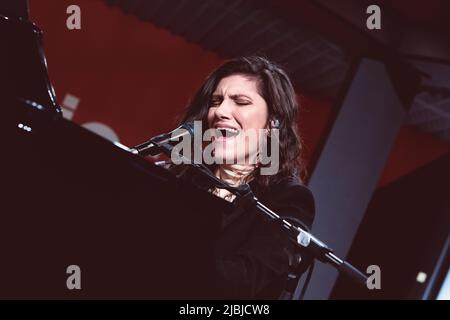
(276, 88)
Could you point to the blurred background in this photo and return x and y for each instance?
(375, 108)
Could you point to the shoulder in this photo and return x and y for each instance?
(291, 188)
(292, 198)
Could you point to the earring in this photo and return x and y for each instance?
(274, 124)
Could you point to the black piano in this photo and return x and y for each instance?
(72, 198)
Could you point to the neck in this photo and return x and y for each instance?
(235, 174)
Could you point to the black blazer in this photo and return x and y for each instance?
(253, 254)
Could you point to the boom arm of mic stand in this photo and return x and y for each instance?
(302, 238)
(317, 248)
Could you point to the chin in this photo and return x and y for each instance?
(222, 157)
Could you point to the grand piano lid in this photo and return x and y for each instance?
(15, 8)
(23, 59)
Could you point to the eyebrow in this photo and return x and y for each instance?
(233, 96)
(240, 95)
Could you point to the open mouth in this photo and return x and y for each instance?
(227, 132)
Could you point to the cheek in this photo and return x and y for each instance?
(255, 118)
(262, 117)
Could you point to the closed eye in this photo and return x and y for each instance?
(215, 102)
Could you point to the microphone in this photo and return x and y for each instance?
(151, 147)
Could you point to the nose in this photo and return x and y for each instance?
(223, 111)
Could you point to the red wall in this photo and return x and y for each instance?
(128, 74)
(136, 79)
(411, 150)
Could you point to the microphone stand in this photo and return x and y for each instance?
(298, 235)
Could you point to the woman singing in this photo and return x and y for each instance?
(253, 255)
